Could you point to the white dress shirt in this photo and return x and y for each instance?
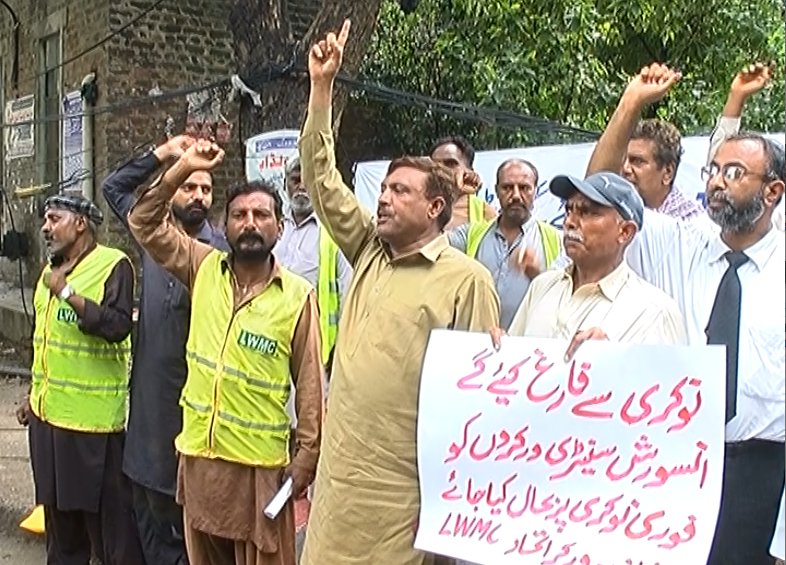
(686, 261)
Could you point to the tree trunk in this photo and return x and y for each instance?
(262, 36)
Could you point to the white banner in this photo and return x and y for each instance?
(614, 458)
(551, 161)
(20, 139)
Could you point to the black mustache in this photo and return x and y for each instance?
(196, 206)
(250, 236)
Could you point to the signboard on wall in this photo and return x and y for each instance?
(19, 132)
(72, 162)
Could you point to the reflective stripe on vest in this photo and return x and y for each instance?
(234, 400)
(476, 210)
(548, 235)
(327, 293)
(80, 382)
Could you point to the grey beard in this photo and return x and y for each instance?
(301, 205)
(738, 219)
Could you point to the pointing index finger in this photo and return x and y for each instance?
(344, 33)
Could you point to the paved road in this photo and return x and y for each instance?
(16, 551)
(16, 486)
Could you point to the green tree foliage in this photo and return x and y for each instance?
(567, 61)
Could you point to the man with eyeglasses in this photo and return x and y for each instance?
(728, 283)
(749, 81)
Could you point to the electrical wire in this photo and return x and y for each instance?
(127, 104)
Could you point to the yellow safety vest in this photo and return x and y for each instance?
(476, 210)
(80, 381)
(235, 397)
(328, 298)
(548, 234)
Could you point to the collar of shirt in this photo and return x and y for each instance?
(290, 219)
(205, 233)
(610, 285)
(275, 275)
(431, 251)
(759, 253)
(677, 205)
(523, 228)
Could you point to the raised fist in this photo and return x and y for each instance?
(652, 83)
(752, 79)
(202, 155)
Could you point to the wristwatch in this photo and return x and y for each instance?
(66, 293)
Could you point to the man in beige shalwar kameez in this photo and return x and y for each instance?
(407, 281)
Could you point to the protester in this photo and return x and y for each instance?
(76, 411)
(728, 284)
(254, 324)
(306, 249)
(653, 157)
(746, 83)
(407, 281)
(597, 296)
(159, 369)
(515, 247)
(458, 155)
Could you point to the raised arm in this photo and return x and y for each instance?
(748, 82)
(119, 187)
(149, 217)
(650, 85)
(349, 224)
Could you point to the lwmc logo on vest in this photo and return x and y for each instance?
(257, 343)
(67, 315)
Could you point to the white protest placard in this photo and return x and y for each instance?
(615, 458)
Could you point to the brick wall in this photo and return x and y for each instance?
(177, 45)
(80, 24)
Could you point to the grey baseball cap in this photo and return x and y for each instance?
(606, 189)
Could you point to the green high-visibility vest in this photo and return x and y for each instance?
(235, 396)
(476, 210)
(328, 296)
(80, 381)
(548, 234)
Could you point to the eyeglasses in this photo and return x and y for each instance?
(731, 172)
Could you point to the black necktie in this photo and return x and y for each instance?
(724, 325)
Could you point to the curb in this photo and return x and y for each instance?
(15, 372)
